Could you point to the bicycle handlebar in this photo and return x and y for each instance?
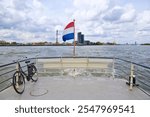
(18, 60)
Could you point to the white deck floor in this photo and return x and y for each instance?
(54, 88)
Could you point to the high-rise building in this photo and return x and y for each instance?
(80, 38)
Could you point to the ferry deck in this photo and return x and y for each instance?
(74, 79)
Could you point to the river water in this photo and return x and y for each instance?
(136, 53)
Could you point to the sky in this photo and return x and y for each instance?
(122, 21)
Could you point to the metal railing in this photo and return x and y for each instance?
(7, 71)
(124, 69)
(121, 69)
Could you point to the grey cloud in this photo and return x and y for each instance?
(113, 15)
(145, 29)
(99, 35)
(22, 5)
(120, 14)
(25, 17)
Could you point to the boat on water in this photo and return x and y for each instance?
(84, 78)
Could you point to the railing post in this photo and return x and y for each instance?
(113, 74)
(87, 62)
(61, 62)
(131, 75)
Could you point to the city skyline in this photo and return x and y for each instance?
(122, 21)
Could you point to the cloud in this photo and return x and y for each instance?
(27, 18)
(114, 14)
(89, 9)
(129, 14)
(143, 24)
(88, 16)
(143, 20)
(23, 36)
(120, 14)
(104, 20)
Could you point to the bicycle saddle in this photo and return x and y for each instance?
(27, 61)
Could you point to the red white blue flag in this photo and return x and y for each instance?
(68, 32)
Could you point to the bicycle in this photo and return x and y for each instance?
(19, 76)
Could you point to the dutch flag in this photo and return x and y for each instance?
(68, 32)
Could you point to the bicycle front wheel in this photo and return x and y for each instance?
(35, 74)
(18, 82)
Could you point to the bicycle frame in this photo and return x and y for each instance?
(27, 75)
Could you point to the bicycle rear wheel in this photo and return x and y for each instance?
(18, 82)
(35, 74)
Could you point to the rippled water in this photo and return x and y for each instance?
(139, 54)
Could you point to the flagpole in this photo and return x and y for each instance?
(74, 50)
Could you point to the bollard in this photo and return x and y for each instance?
(113, 74)
(131, 75)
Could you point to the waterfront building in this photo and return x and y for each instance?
(80, 38)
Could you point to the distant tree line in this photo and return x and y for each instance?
(146, 44)
(4, 43)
